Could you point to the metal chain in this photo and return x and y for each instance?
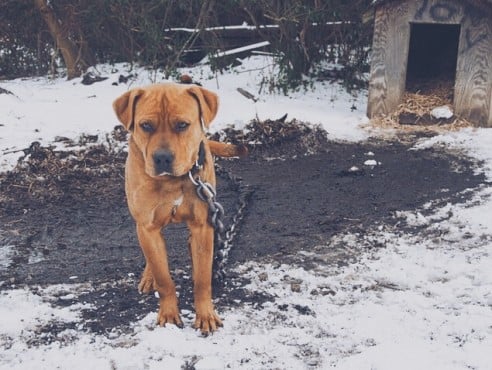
(207, 193)
(223, 238)
(223, 242)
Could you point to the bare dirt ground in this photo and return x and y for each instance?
(64, 212)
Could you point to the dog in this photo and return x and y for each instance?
(167, 124)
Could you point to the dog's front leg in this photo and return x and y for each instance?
(154, 249)
(202, 250)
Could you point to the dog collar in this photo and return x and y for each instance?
(202, 122)
(200, 161)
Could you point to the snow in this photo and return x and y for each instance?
(57, 107)
(442, 112)
(243, 26)
(371, 162)
(422, 302)
(243, 48)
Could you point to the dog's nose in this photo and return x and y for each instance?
(163, 161)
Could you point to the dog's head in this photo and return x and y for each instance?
(166, 122)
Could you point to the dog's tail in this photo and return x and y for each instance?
(227, 150)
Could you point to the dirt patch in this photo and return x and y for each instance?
(65, 218)
(302, 199)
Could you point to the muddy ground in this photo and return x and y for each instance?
(64, 217)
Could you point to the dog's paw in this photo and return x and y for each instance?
(146, 284)
(207, 322)
(169, 315)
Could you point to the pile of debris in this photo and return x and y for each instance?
(278, 137)
(47, 174)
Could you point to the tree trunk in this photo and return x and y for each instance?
(70, 53)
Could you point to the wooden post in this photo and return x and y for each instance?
(389, 59)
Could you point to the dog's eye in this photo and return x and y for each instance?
(147, 127)
(181, 126)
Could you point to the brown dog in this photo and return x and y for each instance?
(167, 124)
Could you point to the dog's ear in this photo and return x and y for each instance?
(208, 103)
(124, 107)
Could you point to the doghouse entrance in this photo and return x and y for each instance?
(432, 58)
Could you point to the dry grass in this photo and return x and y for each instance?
(421, 104)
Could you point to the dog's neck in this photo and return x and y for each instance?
(200, 161)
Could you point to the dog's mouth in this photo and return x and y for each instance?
(157, 174)
(163, 174)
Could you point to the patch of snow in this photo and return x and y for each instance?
(22, 312)
(210, 363)
(474, 141)
(371, 162)
(442, 112)
(413, 218)
(7, 253)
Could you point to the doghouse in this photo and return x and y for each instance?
(433, 40)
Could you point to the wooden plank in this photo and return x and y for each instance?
(229, 37)
(388, 59)
(377, 82)
(399, 48)
(437, 11)
(473, 88)
(481, 4)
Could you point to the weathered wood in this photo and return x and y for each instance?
(378, 91)
(388, 59)
(489, 123)
(473, 88)
(237, 36)
(484, 5)
(398, 53)
(473, 81)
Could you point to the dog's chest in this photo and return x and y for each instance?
(176, 204)
(173, 206)
(159, 203)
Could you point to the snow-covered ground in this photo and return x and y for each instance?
(422, 302)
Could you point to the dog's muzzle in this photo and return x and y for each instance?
(163, 162)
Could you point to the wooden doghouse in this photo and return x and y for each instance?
(428, 40)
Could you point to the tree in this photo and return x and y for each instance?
(72, 55)
(36, 34)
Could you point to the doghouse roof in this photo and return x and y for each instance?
(481, 3)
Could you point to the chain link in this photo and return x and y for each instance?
(222, 238)
(223, 242)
